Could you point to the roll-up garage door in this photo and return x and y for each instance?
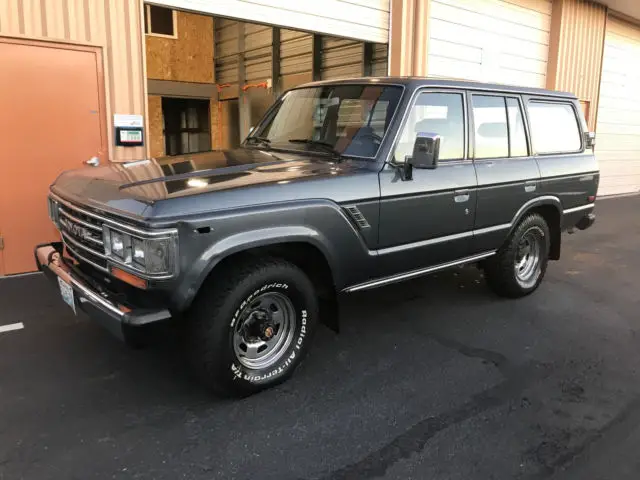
(618, 125)
(358, 19)
(490, 40)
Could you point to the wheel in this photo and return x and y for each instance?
(251, 327)
(519, 266)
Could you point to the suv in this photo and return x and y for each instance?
(343, 186)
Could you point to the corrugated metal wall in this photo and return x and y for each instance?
(575, 51)
(380, 60)
(226, 51)
(296, 53)
(341, 58)
(113, 25)
(257, 52)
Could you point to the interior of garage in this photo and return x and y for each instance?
(211, 79)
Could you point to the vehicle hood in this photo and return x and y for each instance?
(130, 188)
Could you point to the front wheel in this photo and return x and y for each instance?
(250, 328)
(519, 266)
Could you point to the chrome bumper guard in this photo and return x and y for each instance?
(115, 317)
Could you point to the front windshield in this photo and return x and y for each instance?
(347, 120)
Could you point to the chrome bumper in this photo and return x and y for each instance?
(114, 316)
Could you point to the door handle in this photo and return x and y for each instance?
(461, 196)
(530, 187)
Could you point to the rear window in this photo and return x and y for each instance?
(554, 128)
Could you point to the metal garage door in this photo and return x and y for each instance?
(359, 19)
(490, 40)
(618, 124)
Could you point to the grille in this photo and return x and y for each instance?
(82, 236)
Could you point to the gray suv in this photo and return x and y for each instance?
(343, 186)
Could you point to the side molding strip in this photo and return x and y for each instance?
(416, 273)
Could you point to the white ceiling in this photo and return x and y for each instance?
(628, 7)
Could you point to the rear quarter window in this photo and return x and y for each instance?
(554, 127)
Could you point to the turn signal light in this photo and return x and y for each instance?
(129, 278)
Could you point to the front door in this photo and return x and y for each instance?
(428, 220)
(50, 121)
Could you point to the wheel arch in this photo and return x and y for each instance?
(550, 208)
(303, 247)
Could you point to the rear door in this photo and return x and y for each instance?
(428, 220)
(508, 175)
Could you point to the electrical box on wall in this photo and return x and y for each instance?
(128, 130)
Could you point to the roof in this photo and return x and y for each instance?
(416, 82)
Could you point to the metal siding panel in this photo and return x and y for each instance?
(341, 58)
(579, 31)
(296, 50)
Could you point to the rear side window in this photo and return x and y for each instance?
(554, 128)
(499, 127)
(491, 131)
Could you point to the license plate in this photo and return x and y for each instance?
(67, 294)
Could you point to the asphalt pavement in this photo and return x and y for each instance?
(432, 379)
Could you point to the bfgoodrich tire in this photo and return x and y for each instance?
(250, 328)
(519, 266)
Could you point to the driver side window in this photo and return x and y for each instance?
(439, 113)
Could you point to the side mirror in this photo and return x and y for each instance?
(426, 151)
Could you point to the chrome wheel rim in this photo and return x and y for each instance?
(264, 330)
(527, 261)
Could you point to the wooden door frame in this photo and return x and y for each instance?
(100, 78)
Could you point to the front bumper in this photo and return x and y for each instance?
(103, 307)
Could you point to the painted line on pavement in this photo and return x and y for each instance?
(12, 327)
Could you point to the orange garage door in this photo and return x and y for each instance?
(51, 119)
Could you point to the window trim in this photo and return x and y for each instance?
(147, 26)
(466, 158)
(531, 100)
(525, 122)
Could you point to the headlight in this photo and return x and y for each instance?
(117, 244)
(151, 256)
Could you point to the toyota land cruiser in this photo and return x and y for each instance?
(343, 186)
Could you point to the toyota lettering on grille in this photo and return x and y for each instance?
(77, 230)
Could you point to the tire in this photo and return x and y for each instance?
(250, 328)
(520, 264)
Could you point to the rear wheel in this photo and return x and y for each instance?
(250, 328)
(519, 266)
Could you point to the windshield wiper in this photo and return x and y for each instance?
(328, 147)
(259, 141)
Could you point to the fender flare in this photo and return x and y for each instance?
(533, 203)
(247, 240)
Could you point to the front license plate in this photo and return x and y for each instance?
(67, 294)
